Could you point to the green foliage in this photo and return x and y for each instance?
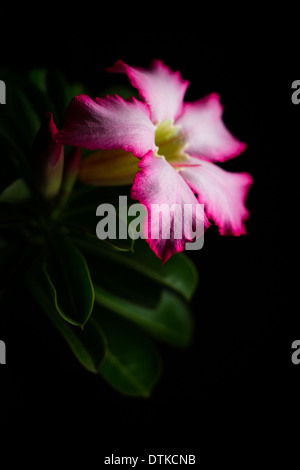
(111, 300)
(68, 276)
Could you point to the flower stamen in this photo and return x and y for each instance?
(170, 142)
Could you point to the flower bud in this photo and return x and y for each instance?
(70, 173)
(47, 159)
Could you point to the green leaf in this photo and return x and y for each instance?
(61, 92)
(83, 220)
(14, 213)
(28, 118)
(111, 347)
(39, 97)
(21, 111)
(16, 192)
(11, 135)
(157, 309)
(39, 78)
(169, 320)
(69, 279)
(132, 364)
(88, 345)
(15, 261)
(10, 169)
(178, 273)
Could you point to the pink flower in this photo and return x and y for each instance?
(165, 147)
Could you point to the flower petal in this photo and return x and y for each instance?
(222, 193)
(205, 133)
(159, 187)
(108, 123)
(159, 86)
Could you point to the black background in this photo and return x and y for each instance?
(235, 388)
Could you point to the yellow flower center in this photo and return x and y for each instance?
(170, 142)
